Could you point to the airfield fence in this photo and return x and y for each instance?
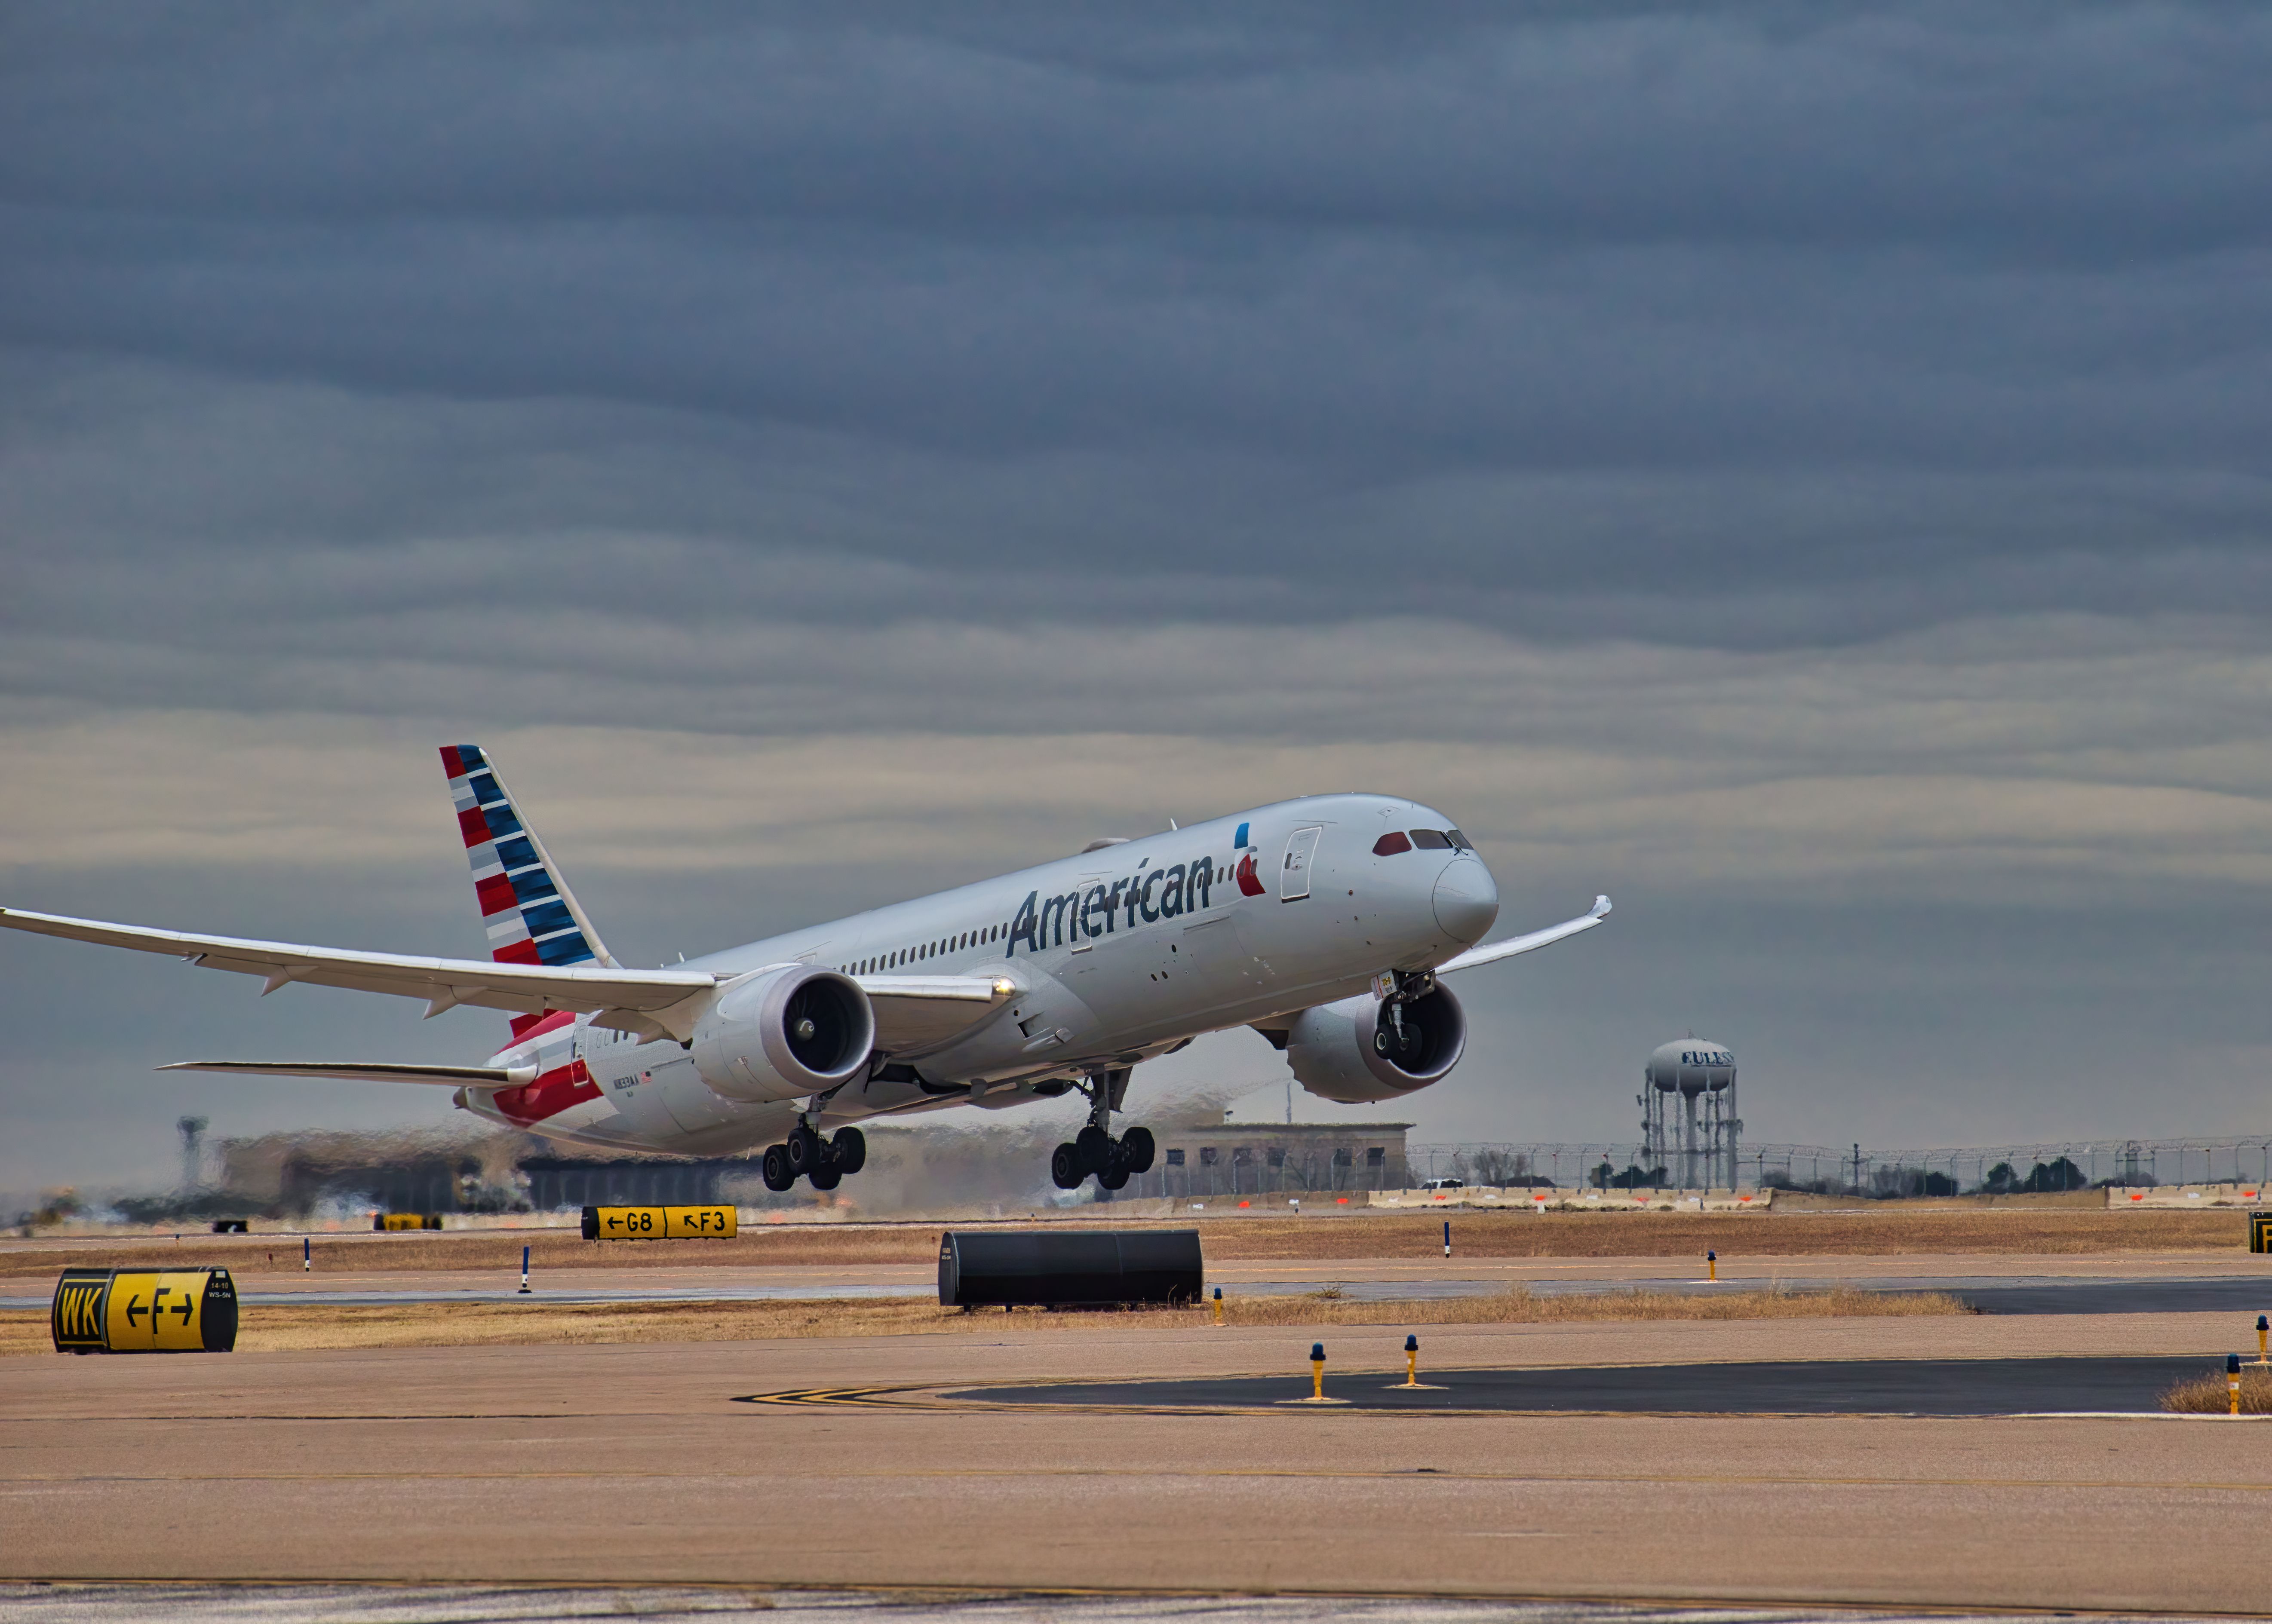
(2045, 1167)
(1858, 1170)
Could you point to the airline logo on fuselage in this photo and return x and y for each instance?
(1149, 895)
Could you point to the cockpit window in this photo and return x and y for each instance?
(1390, 844)
(1431, 840)
(1460, 842)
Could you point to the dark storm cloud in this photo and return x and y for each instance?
(1799, 468)
(1830, 322)
(1806, 123)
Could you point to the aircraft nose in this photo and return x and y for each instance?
(1467, 899)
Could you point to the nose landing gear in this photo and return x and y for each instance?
(806, 1155)
(1094, 1150)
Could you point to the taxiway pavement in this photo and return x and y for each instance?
(1936, 1387)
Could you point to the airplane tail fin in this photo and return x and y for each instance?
(530, 915)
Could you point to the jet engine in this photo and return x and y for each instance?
(784, 1033)
(1362, 1050)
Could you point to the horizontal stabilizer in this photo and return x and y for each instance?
(1492, 952)
(382, 1071)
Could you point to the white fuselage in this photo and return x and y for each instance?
(1121, 954)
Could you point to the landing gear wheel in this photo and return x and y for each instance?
(804, 1150)
(776, 1168)
(827, 1176)
(1136, 1146)
(1066, 1167)
(1114, 1175)
(1093, 1146)
(848, 1150)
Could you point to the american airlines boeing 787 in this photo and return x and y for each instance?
(1324, 923)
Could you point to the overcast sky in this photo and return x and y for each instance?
(1801, 471)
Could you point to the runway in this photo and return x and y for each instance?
(1829, 1387)
(428, 1604)
(564, 1466)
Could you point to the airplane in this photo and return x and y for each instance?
(1324, 923)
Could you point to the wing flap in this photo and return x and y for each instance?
(917, 1014)
(1492, 952)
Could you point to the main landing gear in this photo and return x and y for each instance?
(1094, 1150)
(806, 1155)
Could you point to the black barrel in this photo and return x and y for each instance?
(1067, 1268)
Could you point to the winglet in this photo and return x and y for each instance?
(1492, 952)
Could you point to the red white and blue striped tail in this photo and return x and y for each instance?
(530, 914)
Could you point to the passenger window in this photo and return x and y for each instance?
(1390, 844)
(1431, 841)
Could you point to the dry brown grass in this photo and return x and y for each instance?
(1880, 1231)
(271, 1327)
(1888, 1228)
(2206, 1394)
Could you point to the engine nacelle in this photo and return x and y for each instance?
(1353, 1052)
(784, 1033)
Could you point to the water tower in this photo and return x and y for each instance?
(193, 1166)
(1703, 1073)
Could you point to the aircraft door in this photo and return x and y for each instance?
(1294, 875)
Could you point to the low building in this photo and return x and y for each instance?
(1232, 1158)
(429, 1170)
(557, 1181)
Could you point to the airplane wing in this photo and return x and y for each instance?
(913, 1013)
(918, 1013)
(652, 1001)
(1491, 952)
(379, 1071)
